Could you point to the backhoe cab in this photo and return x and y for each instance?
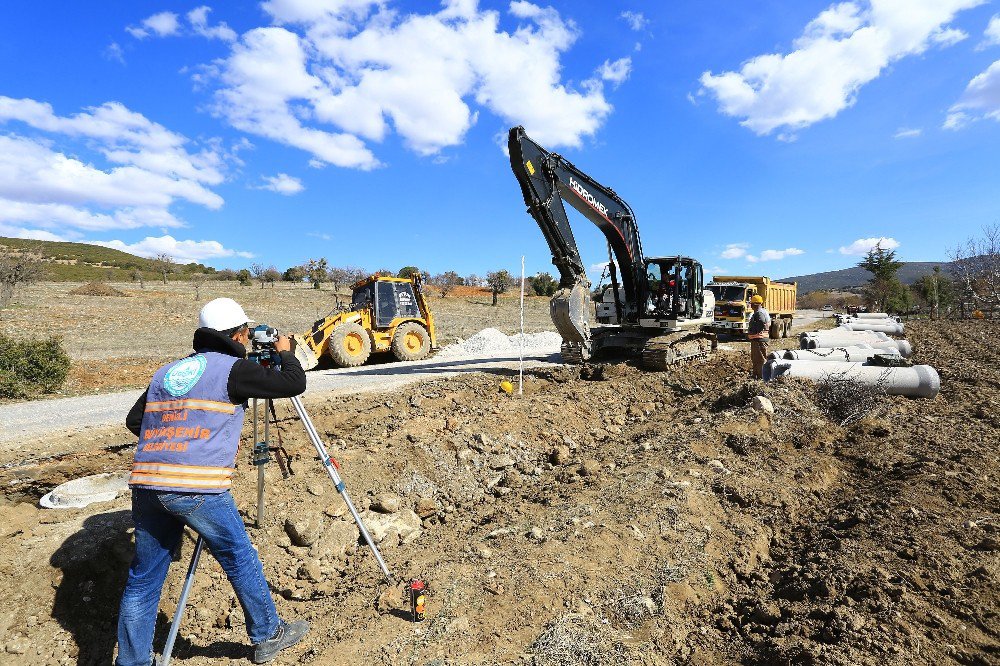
(386, 314)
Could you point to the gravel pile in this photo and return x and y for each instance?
(491, 342)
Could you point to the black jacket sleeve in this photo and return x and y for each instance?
(134, 419)
(250, 380)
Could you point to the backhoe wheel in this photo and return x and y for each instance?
(410, 342)
(775, 331)
(350, 345)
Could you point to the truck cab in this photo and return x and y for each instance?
(732, 306)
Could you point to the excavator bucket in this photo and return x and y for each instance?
(305, 354)
(569, 308)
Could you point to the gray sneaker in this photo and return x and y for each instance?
(286, 636)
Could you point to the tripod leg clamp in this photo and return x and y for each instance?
(261, 453)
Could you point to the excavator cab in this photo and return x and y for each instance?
(674, 287)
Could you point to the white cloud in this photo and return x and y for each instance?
(182, 251)
(46, 185)
(847, 46)
(198, 18)
(774, 255)
(636, 20)
(735, 250)
(981, 99)
(907, 133)
(863, 246)
(616, 72)
(114, 52)
(991, 37)
(331, 77)
(163, 24)
(282, 184)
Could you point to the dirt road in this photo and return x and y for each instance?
(24, 425)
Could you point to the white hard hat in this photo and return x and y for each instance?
(222, 314)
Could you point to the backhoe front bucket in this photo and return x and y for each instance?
(303, 352)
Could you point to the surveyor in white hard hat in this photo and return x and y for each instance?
(188, 422)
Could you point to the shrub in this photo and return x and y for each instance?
(29, 368)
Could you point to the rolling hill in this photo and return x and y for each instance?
(80, 262)
(849, 278)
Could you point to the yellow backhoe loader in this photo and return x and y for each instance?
(386, 314)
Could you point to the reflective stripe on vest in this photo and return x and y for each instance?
(181, 476)
(206, 405)
(190, 430)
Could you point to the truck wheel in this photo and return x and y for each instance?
(350, 345)
(775, 331)
(410, 342)
(786, 325)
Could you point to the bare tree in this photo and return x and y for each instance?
(976, 265)
(447, 281)
(197, 280)
(473, 280)
(271, 275)
(17, 269)
(137, 276)
(338, 277)
(499, 282)
(258, 271)
(163, 263)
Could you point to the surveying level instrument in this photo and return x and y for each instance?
(263, 451)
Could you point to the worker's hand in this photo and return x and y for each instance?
(283, 344)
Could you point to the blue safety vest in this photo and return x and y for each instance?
(190, 430)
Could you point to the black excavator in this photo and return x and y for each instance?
(655, 308)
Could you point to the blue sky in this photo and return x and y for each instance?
(768, 137)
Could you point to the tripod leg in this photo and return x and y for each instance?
(338, 483)
(175, 625)
(261, 458)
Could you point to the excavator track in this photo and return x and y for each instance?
(663, 351)
(573, 354)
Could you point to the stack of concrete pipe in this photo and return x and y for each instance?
(853, 354)
(871, 321)
(846, 337)
(847, 352)
(918, 381)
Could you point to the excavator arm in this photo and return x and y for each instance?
(548, 180)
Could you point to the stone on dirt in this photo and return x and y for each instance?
(304, 531)
(762, 404)
(386, 503)
(393, 529)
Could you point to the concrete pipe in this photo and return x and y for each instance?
(918, 381)
(890, 327)
(855, 354)
(870, 315)
(840, 337)
(902, 346)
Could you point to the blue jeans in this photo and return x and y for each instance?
(159, 518)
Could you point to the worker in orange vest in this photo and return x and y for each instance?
(757, 327)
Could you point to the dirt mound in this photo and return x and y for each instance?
(97, 289)
(608, 516)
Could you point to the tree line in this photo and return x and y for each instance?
(971, 285)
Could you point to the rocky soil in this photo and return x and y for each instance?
(607, 516)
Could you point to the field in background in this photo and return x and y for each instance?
(116, 342)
